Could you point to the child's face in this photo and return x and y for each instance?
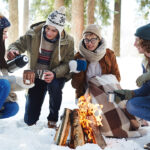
(147, 54)
(137, 45)
(51, 32)
(5, 31)
(140, 49)
(91, 42)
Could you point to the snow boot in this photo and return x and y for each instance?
(147, 146)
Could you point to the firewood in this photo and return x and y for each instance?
(77, 135)
(63, 130)
(97, 133)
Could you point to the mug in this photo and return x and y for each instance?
(111, 97)
(28, 77)
(41, 74)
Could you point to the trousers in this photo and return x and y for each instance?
(140, 105)
(36, 96)
(7, 109)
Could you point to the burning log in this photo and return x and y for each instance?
(98, 138)
(63, 131)
(85, 125)
(77, 135)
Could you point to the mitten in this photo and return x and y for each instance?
(77, 65)
(123, 94)
(20, 84)
(142, 79)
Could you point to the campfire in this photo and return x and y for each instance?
(83, 124)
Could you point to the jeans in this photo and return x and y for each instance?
(35, 99)
(140, 105)
(7, 109)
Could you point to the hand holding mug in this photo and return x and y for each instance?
(48, 76)
(28, 77)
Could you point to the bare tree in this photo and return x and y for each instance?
(77, 20)
(116, 27)
(25, 16)
(90, 11)
(13, 17)
(58, 3)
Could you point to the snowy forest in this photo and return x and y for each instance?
(118, 21)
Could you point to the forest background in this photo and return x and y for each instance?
(118, 19)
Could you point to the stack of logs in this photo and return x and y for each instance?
(71, 124)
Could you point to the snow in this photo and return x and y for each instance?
(16, 135)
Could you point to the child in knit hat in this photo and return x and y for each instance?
(93, 59)
(50, 49)
(139, 100)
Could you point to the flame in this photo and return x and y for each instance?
(87, 109)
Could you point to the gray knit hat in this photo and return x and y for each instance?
(93, 29)
(143, 32)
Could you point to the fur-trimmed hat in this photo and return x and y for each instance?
(143, 32)
(4, 23)
(93, 28)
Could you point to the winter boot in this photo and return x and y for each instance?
(52, 124)
(147, 146)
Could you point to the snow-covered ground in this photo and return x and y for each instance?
(16, 135)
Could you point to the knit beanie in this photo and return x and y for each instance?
(57, 19)
(93, 29)
(4, 23)
(143, 32)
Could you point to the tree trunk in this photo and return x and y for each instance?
(116, 27)
(90, 11)
(13, 17)
(77, 20)
(58, 3)
(25, 16)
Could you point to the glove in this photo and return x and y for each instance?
(142, 79)
(123, 94)
(77, 65)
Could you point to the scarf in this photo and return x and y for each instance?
(95, 56)
(146, 63)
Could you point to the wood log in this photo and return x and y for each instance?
(77, 135)
(63, 130)
(97, 133)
